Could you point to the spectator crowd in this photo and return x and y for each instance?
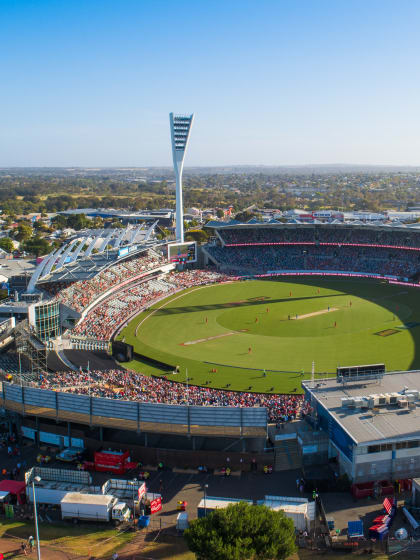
(81, 294)
(261, 259)
(103, 319)
(129, 385)
(308, 233)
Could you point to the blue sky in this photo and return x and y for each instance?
(91, 83)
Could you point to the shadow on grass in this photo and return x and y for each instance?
(167, 547)
(165, 311)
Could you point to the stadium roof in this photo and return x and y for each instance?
(388, 423)
(120, 214)
(295, 222)
(88, 252)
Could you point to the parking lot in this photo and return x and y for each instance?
(190, 487)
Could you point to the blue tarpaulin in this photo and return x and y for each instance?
(355, 529)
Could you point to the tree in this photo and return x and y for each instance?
(117, 224)
(197, 235)
(78, 221)
(24, 232)
(220, 213)
(242, 532)
(6, 244)
(37, 246)
(244, 216)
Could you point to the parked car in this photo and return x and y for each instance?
(70, 454)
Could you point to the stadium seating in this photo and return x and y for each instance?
(103, 319)
(129, 385)
(80, 295)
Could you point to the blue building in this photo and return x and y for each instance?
(373, 425)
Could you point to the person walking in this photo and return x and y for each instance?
(31, 543)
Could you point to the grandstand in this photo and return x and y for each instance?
(97, 293)
(389, 251)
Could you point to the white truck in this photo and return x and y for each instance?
(94, 507)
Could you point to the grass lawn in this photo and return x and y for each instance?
(175, 548)
(74, 539)
(168, 547)
(244, 328)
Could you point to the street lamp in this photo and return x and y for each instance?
(133, 483)
(205, 496)
(38, 550)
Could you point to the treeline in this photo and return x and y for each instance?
(362, 191)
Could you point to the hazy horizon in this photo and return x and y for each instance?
(296, 82)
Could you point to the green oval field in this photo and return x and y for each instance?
(243, 328)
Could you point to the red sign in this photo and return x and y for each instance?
(155, 505)
(142, 490)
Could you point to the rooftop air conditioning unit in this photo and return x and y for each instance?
(413, 392)
(403, 403)
(393, 398)
(410, 398)
(375, 399)
(364, 403)
(371, 402)
(344, 402)
(382, 400)
(351, 403)
(358, 402)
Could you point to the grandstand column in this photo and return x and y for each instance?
(10, 424)
(17, 420)
(193, 442)
(145, 440)
(69, 432)
(37, 431)
(101, 433)
(56, 407)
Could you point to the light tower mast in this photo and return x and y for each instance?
(180, 132)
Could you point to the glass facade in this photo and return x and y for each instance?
(47, 320)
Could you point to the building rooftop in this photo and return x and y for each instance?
(17, 267)
(371, 425)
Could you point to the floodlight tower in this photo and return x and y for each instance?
(180, 133)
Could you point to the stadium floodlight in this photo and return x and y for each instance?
(180, 133)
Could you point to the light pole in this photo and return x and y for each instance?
(38, 550)
(205, 497)
(133, 483)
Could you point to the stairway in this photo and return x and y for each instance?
(287, 455)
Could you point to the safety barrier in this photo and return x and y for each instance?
(210, 421)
